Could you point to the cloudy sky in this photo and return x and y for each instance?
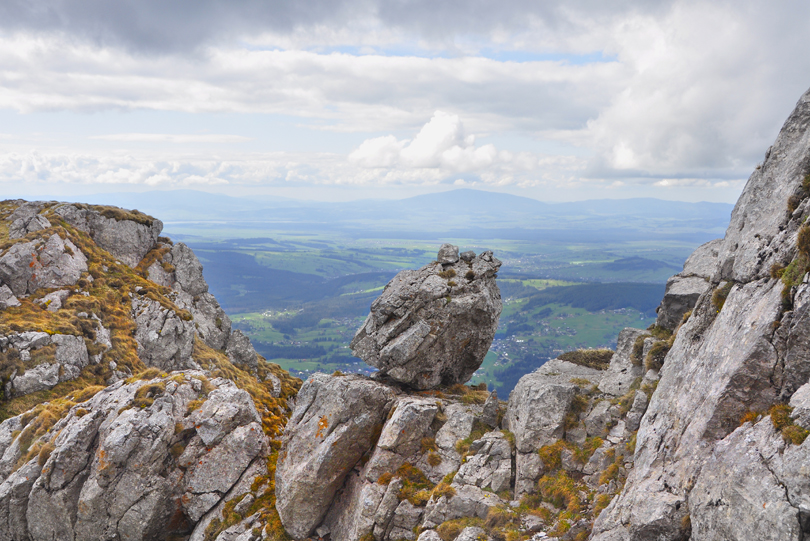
(345, 99)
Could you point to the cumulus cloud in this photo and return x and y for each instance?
(628, 93)
(442, 149)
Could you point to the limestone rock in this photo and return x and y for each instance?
(684, 289)
(7, 298)
(164, 339)
(434, 325)
(240, 351)
(54, 301)
(621, 372)
(28, 266)
(448, 254)
(469, 501)
(681, 296)
(188, 271)
(127, 240)
(753, 486)
(536, 413)
(111, 475)
(800, 402)
(333, 425)
(22, 226)
(491, 465)
(720, 366)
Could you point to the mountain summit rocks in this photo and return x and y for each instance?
(433, 326)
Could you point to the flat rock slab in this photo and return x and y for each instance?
(433, 326)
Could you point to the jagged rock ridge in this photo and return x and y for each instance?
(98, 441)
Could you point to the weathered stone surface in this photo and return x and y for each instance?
(800, 402)
(333, 425)
(739, 494)
(164, 339)
(633, 419)
(27, 266)
(7, 298)
(720, 366)
(401, 437)
(212, 323)
(684, 289)
(761, 229)
(25, 220)
(680, 297)
(621, 372)
(491, 465)
(540, 401)
(469, 501)
(489, 415)
(448, 254)
(111, 475)
(240, 351)
(54, 301)
(126, 240)
(472, 533)
(188, 271)
(434, 325)
(536, 413)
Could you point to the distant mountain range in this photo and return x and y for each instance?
(461, 212)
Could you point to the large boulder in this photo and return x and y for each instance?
(26, 219)
(126, 235)
(434, 325)
(337, 419)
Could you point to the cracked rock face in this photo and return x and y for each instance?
(127, 240)
(433, 326)
(684, 289)
(336, 421)
(536, 414)
(28, 266)
(164, 339)
(123, 472)
(691, 458)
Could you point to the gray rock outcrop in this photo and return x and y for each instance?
(333, 425)
(69, 356)
(191, 293)
(490, 467)
(109, 472)
(536, 413)
(622, 371)
(240, 351)
(684, 289)
(165, 340)
(26, 219)
(126, 239)
(28, 266)
(7, 298)
(434, 325)
(745, 355)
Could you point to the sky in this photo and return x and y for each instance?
(354, 99)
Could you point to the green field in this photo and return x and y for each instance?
(301, 296)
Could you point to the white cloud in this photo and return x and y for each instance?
(441, 150)
(684, 90)
(172, 138)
